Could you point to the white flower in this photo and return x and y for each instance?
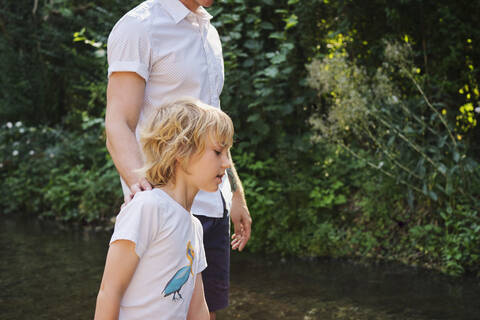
(18, 124)
(22, 130)
(15, 153)
(31, 152)
(51, 155)
(1, 165)
(9, 125)
(477, 109)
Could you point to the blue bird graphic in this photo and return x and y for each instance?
(181, 276)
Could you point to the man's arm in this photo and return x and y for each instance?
(242, 222)
(125, 93)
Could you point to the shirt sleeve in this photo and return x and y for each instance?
(202, 260)
(138, 222)
(129, 48)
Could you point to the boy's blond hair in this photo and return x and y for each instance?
(177, 131)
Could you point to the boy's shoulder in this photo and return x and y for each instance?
(149, 199)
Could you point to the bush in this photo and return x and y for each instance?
(422, 165)
(54, 173)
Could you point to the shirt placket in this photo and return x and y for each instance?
(210, 62)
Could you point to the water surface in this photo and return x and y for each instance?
(50, 273)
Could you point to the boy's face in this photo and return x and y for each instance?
(207, 169)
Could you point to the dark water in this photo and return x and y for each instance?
(48, 273)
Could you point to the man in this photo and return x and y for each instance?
(162, 50)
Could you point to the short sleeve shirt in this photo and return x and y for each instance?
(169, 242)
(178, 53)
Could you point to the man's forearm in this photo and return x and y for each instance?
(235, 183)
(125, 151)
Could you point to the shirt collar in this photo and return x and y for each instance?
(178, 11)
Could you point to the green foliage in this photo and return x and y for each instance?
(56, 173)
(403, 136)
(50, 78)
(410, 140)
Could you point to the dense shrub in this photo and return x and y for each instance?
(55, 173)
(426, 167)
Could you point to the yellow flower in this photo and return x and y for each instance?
(459, 137)
(444, 111)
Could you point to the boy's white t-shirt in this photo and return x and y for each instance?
(168, 240)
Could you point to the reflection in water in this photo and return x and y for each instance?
(48, 273)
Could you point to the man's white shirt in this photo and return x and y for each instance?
(179, 54)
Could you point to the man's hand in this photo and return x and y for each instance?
(140, 186)
(242, 222)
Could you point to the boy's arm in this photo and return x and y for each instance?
(198, 309)
(119, 268)
(125, 94)
(242, 222)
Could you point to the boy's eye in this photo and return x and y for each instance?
(218, 152)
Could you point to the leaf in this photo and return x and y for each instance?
(442, 141)
(425, 189)
(279, 58)
(340, 199)
(442, 168)
(291, 21)
(267, 25)
(271, 72)
(433, 195)
(254, 117)
(410, 198)
(252, 45)
(449, 187)
(456, 156)
(277, 35)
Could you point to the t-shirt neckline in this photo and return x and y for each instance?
(172, 200)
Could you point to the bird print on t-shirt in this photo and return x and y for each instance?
(181, 276)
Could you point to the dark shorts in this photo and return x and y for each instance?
(216, 277)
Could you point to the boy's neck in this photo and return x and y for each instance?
(181, 193)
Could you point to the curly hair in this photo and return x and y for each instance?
(178, 130)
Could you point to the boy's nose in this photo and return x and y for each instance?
(226, 162)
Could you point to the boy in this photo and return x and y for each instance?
(156, 254)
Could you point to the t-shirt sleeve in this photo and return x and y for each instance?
(202, 260)
(139, 222)
(129, 48)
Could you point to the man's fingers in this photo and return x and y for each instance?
(236, 241)
(145, 185)
(246, 231)
(237, 228)
(135, 188)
